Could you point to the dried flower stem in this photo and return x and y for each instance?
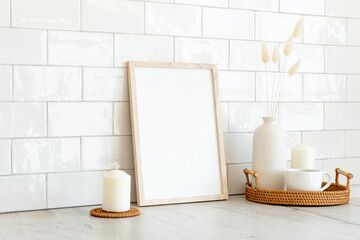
(267, 91)
(278, 87)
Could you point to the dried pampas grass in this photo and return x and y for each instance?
(282, 78)
(275, 56)
(264, 53)
(288, 46)
(294, 68)
(298, 28)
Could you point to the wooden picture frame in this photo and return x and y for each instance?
(148, 80)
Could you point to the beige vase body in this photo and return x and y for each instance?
(269, 154)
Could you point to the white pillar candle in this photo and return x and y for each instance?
(302, 156)
(116, 191)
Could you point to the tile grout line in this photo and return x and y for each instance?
(82, 84)
(347, 85)
(46, 190)
(182, 36)
(202, 22)
(112, 117)
(84, 171)
(47, 120)
(81, 154)
(220, 70)
(12, 84)
(80, 15)
(11, 158)
(10, 13)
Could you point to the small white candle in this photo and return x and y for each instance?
(116, 191)
(302, 156)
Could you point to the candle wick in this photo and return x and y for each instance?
(118, 167)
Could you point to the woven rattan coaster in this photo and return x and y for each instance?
(98, 212)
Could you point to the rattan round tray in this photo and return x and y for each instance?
(335, 194)
(99, 212)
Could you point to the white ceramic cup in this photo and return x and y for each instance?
(305, 180)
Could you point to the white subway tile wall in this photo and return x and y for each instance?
(33, 83)
(52, 14)
(116, 16)
(6, 83)
(4, 13)
(316, 7)
(5, 156)
(353, 31)
(41, 155)
(23, 46)
(64, 102)
(353, 88)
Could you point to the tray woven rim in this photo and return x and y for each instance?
(335, 194)
(99, 212)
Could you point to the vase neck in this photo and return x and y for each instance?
(269, 120)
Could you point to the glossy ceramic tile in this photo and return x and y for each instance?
(353, 31)
(225, 116)
(80, 48)
(236, 178)
(342, 116)
(122, 122)
(316, 7)
(311, 56)
(47, 83)
(22, 193)
(202, 51)
(238, 147)
(79, 119)
(170, 19)
(341, 59)
(327, 144)
(236, 86)
(301, 116)
(324, 87)
(5, 83)
(51, 14)
(113, 16)
(5, 157)
(245, 55)
(29, 47)
(344, 8)
(43, 155)
(263, 5)
(64, 107)
(74, 189)
(102, 153)
(324, 30)
(351, 165)
(246, 117)
(275, 26)
(228, 23)
(105, 84)
(353, 143)
(214, 3)
(293, 139)
(292, 90)
(22, 120)
(353, 88)
(141, 48)
(5, 13)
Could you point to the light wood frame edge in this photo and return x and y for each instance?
(135, 133)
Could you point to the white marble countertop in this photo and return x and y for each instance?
(235, 218)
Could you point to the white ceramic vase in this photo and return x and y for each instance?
(269, 154)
